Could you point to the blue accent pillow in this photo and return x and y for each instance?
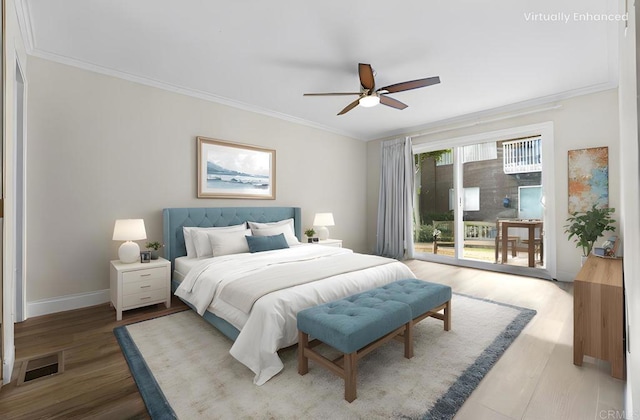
(266, 243)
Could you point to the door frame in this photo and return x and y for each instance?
(545, 131)
(20, 191)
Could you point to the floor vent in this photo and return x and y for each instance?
(41, 367)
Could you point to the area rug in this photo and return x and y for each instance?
(183, 370)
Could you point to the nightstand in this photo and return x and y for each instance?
(140, 284)
(330, 242)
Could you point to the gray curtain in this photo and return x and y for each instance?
(395, 206)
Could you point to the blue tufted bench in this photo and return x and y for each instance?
(358, 324)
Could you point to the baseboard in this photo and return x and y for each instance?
(566, 276)
(67, 303)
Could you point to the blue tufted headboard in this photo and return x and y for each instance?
(174, 219)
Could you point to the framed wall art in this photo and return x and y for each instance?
(588, 179)
(231, 170)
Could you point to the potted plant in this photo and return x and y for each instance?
(309, 234)
(154, 247)
(585, 228)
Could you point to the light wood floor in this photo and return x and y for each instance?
(534, 379)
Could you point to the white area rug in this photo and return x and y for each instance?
(190, 361)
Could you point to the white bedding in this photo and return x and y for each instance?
(183, 265)
(271, 325)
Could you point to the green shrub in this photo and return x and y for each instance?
(446, 230)
(424, 234)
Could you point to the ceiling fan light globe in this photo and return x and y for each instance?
(369, 101)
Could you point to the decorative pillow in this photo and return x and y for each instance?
(266, 243)
(225, 243)
(197, 242)
(274, 228)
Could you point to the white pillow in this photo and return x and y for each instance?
(257, 225)
(225, 243)
(276, 230)
(189, 236)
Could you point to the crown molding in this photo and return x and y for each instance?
(23, 13)
(184, 91)
(499, 113)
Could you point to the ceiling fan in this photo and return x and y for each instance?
(369, 97)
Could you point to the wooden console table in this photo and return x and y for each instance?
(598, 313)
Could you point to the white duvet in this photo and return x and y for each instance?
(271, 324)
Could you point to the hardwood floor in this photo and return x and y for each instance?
(96, 382)
(534, 379)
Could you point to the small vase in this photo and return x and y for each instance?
(583, 259)
(154, 254)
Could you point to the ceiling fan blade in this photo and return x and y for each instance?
(332, 94)
(366, 76)
(413, 84)
(349, 107)
(393, 103)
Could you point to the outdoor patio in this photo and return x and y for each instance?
(474, 252)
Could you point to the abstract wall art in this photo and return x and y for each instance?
(588, 179)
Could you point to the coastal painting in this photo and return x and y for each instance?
(588, 179)
(231, 170)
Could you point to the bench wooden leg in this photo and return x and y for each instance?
(350, 375)
(447, 316)
(408, 340)
(303, 361)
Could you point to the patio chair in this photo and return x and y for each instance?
(538, 243)
(511, 241)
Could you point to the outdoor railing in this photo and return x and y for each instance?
(479, 231)
(473, 230)
(520, 156)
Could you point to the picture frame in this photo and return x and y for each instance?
(234, 170)
(145, 256)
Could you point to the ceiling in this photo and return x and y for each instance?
(263, 55)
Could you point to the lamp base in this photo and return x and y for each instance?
(129, 252)
(323, 233)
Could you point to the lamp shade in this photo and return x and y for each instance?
(129, 230)
(323, 219)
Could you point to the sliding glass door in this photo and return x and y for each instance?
(471, 196)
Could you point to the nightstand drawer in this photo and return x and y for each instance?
(131, 287)
(139, 284)
(146, 274)
(159, 295)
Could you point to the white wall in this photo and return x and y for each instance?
(630, 204)
(581, 122)
(101, 148)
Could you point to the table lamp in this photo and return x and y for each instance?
(322, 220)
(129, 230)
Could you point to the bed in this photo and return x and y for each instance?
(253, 297)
